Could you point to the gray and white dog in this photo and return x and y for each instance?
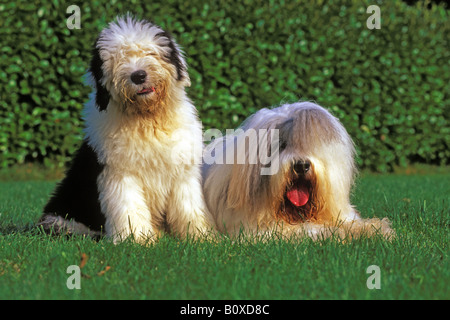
(305, 187)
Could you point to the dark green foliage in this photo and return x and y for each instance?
(389, 86)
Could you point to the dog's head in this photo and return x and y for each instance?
(137, 65)
(314, 159)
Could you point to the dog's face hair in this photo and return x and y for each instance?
(315, 152)
(138, 65)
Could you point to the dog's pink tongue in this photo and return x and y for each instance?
(299, 196)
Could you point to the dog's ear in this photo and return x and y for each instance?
(175, 57)
(102, 95)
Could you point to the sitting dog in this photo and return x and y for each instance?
(290, 170)
(137, 171)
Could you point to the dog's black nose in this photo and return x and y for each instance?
(138, 77)
(302, 167)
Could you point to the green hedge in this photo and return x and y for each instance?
(389, 86)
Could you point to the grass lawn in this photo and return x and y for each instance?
(415, 265)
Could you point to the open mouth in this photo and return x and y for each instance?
(297, 204)
(145, 91)
(298, 193)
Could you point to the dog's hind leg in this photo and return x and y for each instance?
(60, 226)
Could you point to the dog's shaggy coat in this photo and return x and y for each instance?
(306, 190)
(137, 171)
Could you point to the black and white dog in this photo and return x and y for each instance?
(137, 170)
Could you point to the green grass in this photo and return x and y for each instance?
(415, 265)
